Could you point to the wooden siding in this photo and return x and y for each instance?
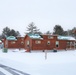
(19, 43)
(46, 43)
(43, 45)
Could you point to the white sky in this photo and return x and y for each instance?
(17, 14)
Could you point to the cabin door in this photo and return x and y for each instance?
(57, 44)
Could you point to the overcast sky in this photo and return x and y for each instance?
(17, 14)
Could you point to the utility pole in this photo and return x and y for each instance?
(45, 54)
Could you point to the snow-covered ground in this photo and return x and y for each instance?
(58, 63)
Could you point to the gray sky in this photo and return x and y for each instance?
(17, 14)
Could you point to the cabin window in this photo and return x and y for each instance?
(38, 42)
(75, 44)
(13, 42)
(72, 43)
(68, 43)
(57, 43)
(28, 42)
(48, 42)
(22, 42)
(50, 37)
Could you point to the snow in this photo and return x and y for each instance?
(34, 63)
(11, 38)
(66, 38)
(5, 72)
(0, 41)
(35, 36)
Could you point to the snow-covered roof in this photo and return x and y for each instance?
(11, 38)
(65, 38)
(35, 36)
(0, 41)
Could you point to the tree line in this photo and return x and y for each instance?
(57, 30)
(32, 29)
(9, 32)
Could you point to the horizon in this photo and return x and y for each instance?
(18, 14)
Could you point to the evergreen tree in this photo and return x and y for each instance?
(74, 32)
(6, 31)
(32, 29)
(9, 32)
(58, 30)
(17, 33)
(14, 33)
(65, 33)
(48, 32)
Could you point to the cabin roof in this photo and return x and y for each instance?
(65, 38)
(11, 38)
(35, 36)
(0, 41)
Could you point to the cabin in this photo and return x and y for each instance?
(48, 42)
(35, 42)
(66, 42)
(14, 42)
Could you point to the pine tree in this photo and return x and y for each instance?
(48, 32)
(9, 32)
(58, 30)
(32, 29)
(6, 31)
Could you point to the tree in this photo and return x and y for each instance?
(58, 30)
(17, 33)
(0, 36)
(32, 29)
(70, 32)
(65, 33)
(14, 33)
(6, 31)
(74, 32)
(48, 32)
(9, 32)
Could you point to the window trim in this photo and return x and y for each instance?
(28, 42)
(37, 42)
(50, 37)
(57, 44)
(48, 42)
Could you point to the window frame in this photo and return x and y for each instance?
(50, 37)
(48, 42)
(57, 44)
(28, 42)
(37, 42)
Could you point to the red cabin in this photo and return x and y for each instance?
(40, 42)
(14, 42)
(48, 42)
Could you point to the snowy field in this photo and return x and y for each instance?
(58, 63)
